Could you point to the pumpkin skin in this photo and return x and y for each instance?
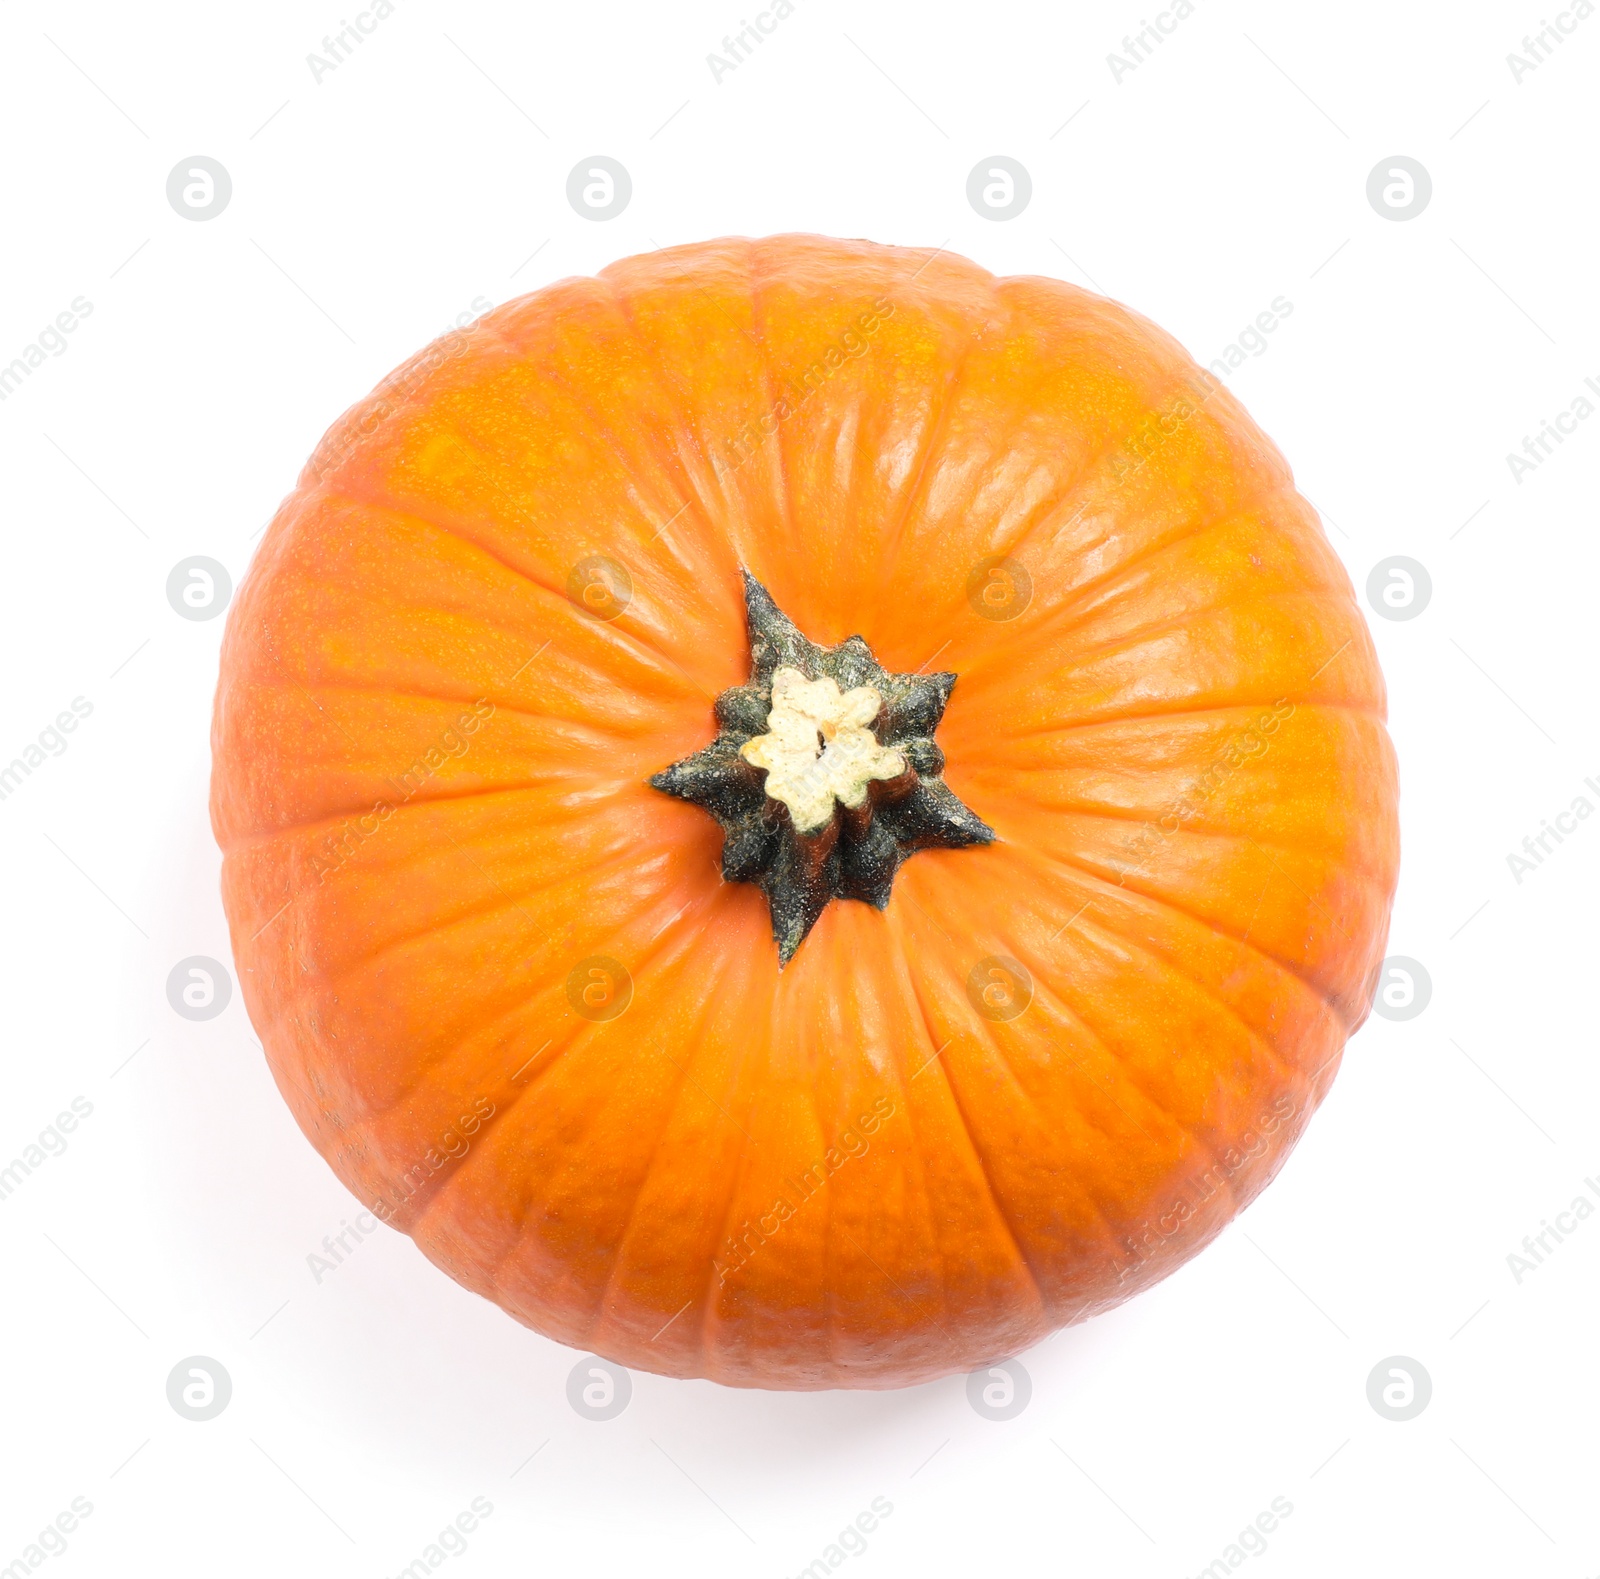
(431, 790)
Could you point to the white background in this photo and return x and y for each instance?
(370, 209)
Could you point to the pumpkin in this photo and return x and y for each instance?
(801, 814)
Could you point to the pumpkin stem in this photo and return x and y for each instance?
(824, 775)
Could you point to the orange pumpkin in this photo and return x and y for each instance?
(801, 814)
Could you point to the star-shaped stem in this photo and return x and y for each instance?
(824, 775)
